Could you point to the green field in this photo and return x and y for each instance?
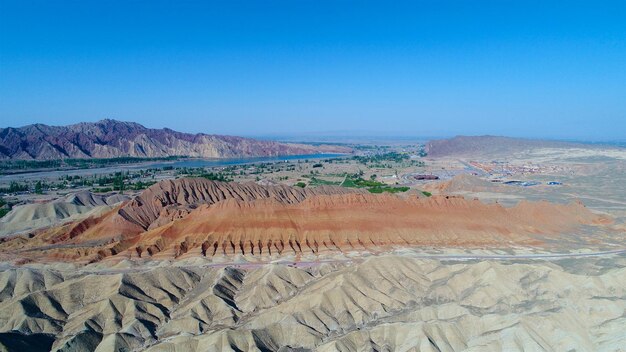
(372, 186)
(388, 189)
(321, 182)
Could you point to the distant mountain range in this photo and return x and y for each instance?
(497, 145)
(111, 138)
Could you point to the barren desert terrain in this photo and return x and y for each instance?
(464, 262)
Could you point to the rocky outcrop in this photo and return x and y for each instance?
(111, 138)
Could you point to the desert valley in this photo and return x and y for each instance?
(464, 244)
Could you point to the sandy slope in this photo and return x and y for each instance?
(69, 208)
(387, 303)
(461, 183)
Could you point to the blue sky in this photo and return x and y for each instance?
(425, 68)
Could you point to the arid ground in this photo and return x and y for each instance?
(515, 249)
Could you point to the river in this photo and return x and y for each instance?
(55, 174)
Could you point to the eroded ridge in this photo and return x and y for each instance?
(196, 217)
(387, 302)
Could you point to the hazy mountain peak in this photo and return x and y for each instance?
(110, 138)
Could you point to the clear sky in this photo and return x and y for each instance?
(427, 68)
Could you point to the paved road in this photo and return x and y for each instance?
(517, 256)
(409, 180)
(471, 168)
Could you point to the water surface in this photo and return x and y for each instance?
(190, 163)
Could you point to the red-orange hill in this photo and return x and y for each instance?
(188, 216)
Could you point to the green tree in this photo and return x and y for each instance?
(38, 187)
(4, 207)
